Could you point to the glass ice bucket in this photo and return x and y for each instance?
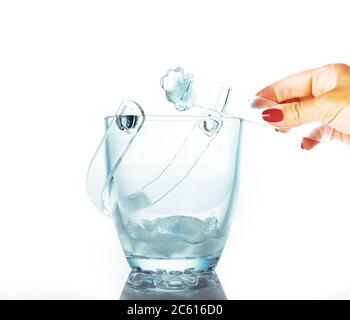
(170, 183)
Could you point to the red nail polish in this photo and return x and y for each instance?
(273, 115)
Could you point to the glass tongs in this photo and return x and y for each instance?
(185, 92)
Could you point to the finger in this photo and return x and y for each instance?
(260, 102)
(294, 86)
(315, 137)
(312, 83)
(298, 113)
(337, 135)
(308, 144)
(319, 133)
(298, 99)
(267, 93)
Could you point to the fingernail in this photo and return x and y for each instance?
(302, 146)
(273, 115)
(268, 93)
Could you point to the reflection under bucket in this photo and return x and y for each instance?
(203, 286)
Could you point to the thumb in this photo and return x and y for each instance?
(298, 112)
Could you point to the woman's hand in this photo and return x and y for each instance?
(317, 95)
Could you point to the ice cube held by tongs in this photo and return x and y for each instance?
(186, 91)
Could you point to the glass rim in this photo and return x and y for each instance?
(160, 117)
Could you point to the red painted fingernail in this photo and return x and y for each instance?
(273, 115)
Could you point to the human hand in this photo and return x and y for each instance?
(317, 95)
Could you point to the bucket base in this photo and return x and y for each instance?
(161, 280)
(200, 264)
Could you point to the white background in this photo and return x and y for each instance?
(66, 64)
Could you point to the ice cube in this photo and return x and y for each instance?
(178, 88)
(136, 201)
(190, 229)
(212, 246)
(173, 237)
(211, 227)
(136, 231)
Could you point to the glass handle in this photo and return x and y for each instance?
(122, 128)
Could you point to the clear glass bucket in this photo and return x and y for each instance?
(172, 188)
